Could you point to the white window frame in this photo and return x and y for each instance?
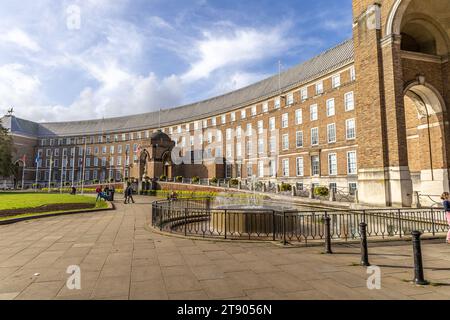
(300, 167)
(319, 88)
(352, 73)
(349, 106)
(285, 168)
(304, 94)
(314, 112)
(285, 142)
(265, 107)
(290, 99)
(285, 120)
(331, 107)
(260, 126)
(336, 81)
(261, 169)
(331, 128)
(272, 124)
(314, 130)
(298, 117)
(332, 164)
(348, 131)
(313, 174)
(298, 135)
(349, 165)
(277, 103)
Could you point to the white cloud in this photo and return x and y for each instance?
(159, 22)
(234, 81)
(241, 47)
(17, 87)
(21, 39)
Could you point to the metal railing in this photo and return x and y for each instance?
(199, 217)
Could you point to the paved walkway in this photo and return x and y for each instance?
(120, 259)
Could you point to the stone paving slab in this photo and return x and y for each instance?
(121, 258)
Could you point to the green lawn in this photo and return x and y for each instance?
(10, 201)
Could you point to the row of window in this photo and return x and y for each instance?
(349, 104)
(104, 162)
(88, 175)
(98, 139)
(352, 168)
(350, 131)
(262, 167)
(348, 101)
(96, 150)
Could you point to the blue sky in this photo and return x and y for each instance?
(135, 56)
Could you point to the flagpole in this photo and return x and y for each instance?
(23, 174)
(73, 165)
(50, 173)
(84, 166)
(37, 172)
(62, 168)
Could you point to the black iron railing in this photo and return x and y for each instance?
(199, 217)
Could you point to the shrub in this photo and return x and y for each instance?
(195, 179)
(163, 178)
(67, 184)
(214, 180)
(285, 187)
(234, 182)
(321, 191)
(179, 179)
(111, 180)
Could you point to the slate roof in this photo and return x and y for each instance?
(318, 66)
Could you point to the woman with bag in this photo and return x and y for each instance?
(446, 202)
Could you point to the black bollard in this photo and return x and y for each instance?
(418, 265)
(364, 245)
(328, 235)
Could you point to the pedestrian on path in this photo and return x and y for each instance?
(99, 193)
(130, 193)
(446, 201)
(125, 194)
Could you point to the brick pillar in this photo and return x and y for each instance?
(383, 177)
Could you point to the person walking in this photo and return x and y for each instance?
(446, 202)
(125, 194)
(99, 193)
(113, 191)
(130, 194)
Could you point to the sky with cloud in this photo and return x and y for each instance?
(81, 59)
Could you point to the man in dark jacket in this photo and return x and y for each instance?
(130, 194)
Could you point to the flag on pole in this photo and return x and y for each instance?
(24, 159)
(38, 159)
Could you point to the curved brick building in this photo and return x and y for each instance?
(369, 114)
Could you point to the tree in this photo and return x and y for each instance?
(6, 150)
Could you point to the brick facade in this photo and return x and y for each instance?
(395, 148)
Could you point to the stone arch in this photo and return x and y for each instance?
(426, 138)
(167, 164)
(143, 161)
(417, 28)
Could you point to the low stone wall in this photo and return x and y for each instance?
(171, 186)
